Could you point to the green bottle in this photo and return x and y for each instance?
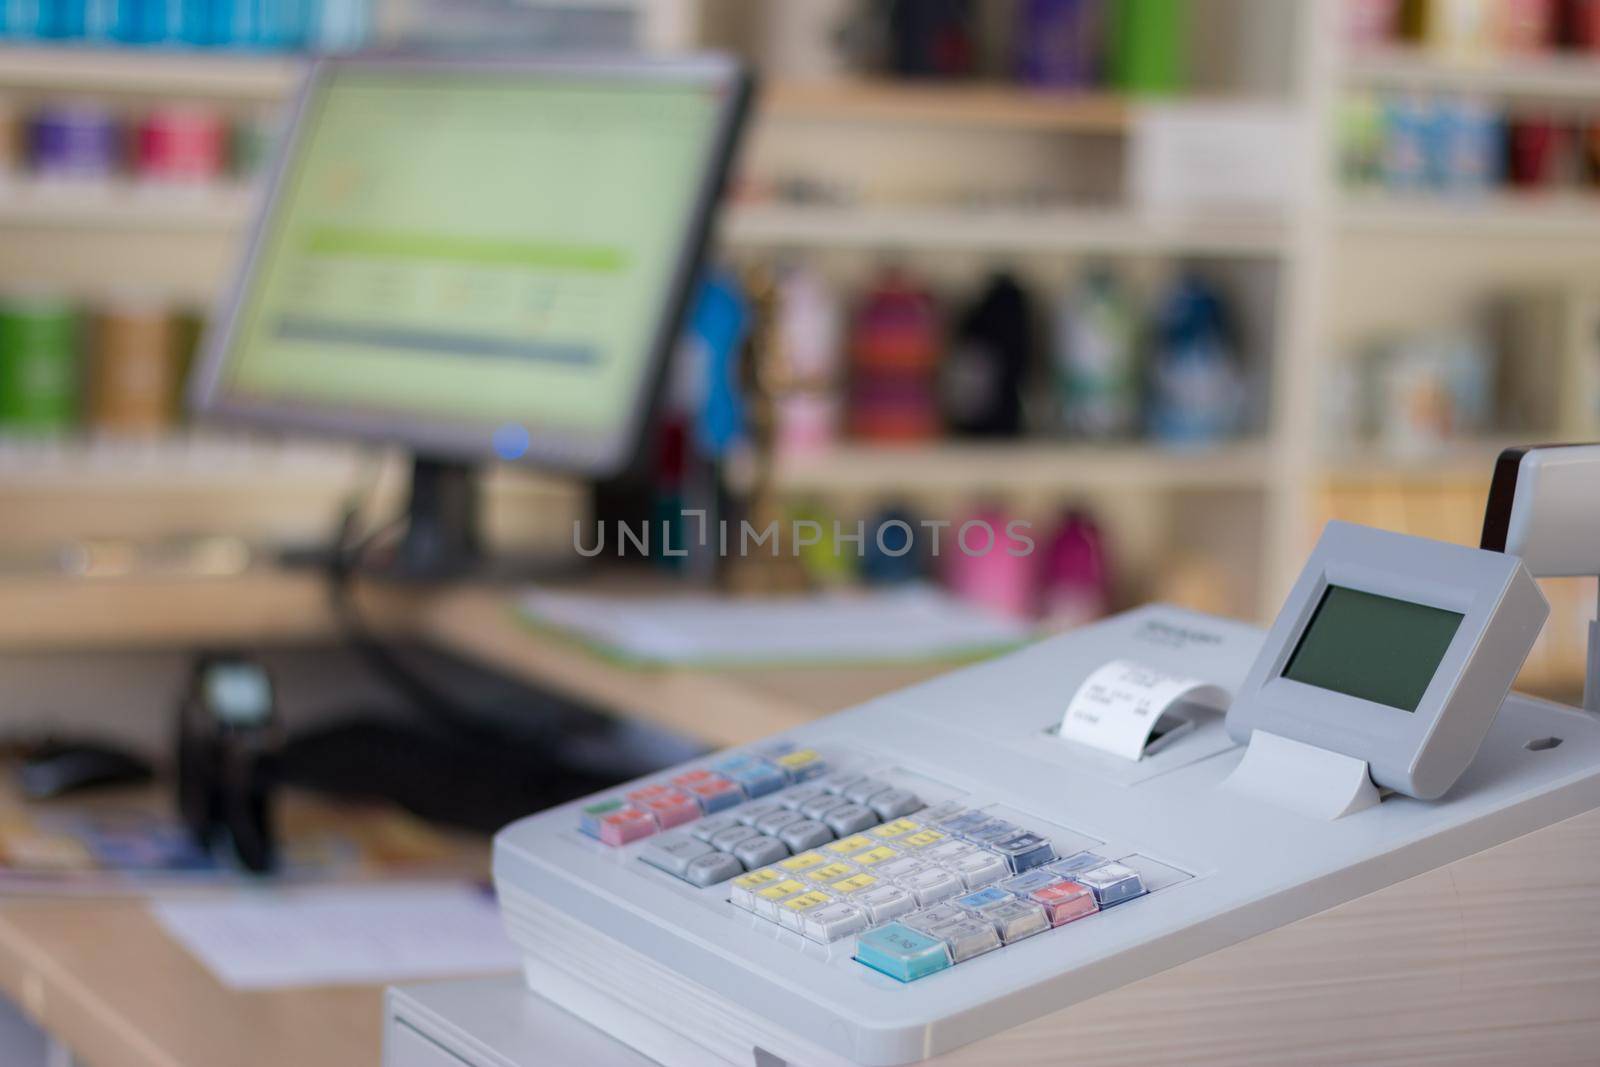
(1147, 39)
(38, 366)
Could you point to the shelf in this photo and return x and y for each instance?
(968, 467)
(986, 229)
(1552, 78)
(949, 103)
(183, 460)
(150, 72)
(122, 206)
(1559, 216)
(1466, 460)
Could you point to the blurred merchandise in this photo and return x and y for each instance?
(39, 340)
(981, 379)
(133, 370)
(251, 142)
(895, 346)
(183, 145)
(932, 38)
(820, 541)
(809, 338)
(1361, 139)
(985, 564)
(1371, 22)
(1075, 579)
(1206, 158)
(1528, 328)
(1147, 43)
(1579, 24)
(1536, 153)
(1460, 28)
(893, 554)
(801, 41)
(1431, 390)
(240, 24)
(1061, 42)
(1526, 26)
(11, 138)
(1097, 370)
(75, 141)
(1197, 391)
(1474, 29)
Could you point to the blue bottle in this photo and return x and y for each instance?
(1197, 393)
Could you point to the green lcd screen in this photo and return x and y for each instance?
(1373, 647)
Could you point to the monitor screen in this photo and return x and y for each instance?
(479, 259)
(1373, 647)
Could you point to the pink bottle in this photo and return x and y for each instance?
(1076, 579)
(990, 559)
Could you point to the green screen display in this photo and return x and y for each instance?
(1373, 647)
(473, 247)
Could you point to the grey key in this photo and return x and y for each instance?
(729, 839)
(706, 829)
(759, 851)
(862, 790)
(851, 819)
(794, 798)
(712, 868)
(674, 854)
(750, 814)
(893, 803)
(839, 782)
(771, 824)
(807, 833)
(816, 809)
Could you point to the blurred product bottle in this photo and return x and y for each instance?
(1197, 392)
(1465, 145)
(1407, 129)
(810, 336)
(39, 346)
(252, 139)
(801, 41)
(1147, 40)
(181, 145)
(932, 38)
(1579, 25)
(828, 561)
(1537, 152)
(1075, 580)
(1525, 27)
(1462, 29)
(74, 142)
(1097, 359)
(893, 554)
(1061, 42)
(1371, 23)
(981, 379)
(1360, 126)
(11, 130)
(895, 345)
(983, 564)
(133, 370)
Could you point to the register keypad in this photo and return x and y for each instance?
(835, 854)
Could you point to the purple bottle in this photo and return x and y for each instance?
(1076, 579)
(1060, 42)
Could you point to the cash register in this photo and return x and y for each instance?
(941, 869)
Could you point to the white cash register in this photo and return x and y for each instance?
(946, 864)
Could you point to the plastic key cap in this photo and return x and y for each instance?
(730, 838)
(856, 883)
(627, 823)
(771, 824)
(920, 840)
(863, 789)
(671, 808)
(706, 829)
(791, 911)
(717, 795)
(839, 781)
(849, 819)
(831, 872)
(742, 893)
(794, 798)
(751, 814)
(928, 918)
(893, 803)
(884, 902)
(1075, 864)
(874, 856)
(901, 952)
(769, 897)
(1024, 851)
(820, 806)
(1113, 883)
(891, 831)
(802, 764)
(755, 776)
(589, 820)
(846, 847)
(712, 868)
(1065, 901)
(759, 851)
(983, 898)
(993, 830)
(1023, 884)
(831, 922)
(807, 833)
(978, 869)
(798, 864)
(960, 823)
(673, 854)
(1016, 919)
(967, 937)
(932, 884)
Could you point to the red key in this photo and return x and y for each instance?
(1065, 901)
(626, 824)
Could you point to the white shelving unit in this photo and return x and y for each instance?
(1544, 78)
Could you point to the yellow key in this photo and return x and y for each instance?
(831, 873)
(798, 759)
(786, 888)
(895, 829)
(855, 884)
(847, 845)
(756, 878)
(923, 839)
(807, 901)
(804, 861)
(877, 855)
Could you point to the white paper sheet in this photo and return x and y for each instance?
(341, 935)
(905, 624)
(1118, 705)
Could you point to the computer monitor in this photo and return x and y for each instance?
(477, 259)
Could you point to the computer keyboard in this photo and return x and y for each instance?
(830, 854)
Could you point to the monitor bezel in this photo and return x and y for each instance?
(588, 453)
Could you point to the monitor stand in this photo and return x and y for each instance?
(442, 540)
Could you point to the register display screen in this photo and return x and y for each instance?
(1373, 647)
(481, 246)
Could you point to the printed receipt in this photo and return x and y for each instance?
(1118, 705)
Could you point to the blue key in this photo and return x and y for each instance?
(1024, 851)
(757, 776)
(1077, 863)
(993, 830)
(960, 824)
(901, 952)
(983, 898)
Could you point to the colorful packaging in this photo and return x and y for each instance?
(1147, 45)
(75, 141)
(1097, 371)
(38, 366)
(981, 379)
(181, 145)
(133, 371)
(1061, 43)
(895, 346)
(1075, 577)
(1197, 391)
